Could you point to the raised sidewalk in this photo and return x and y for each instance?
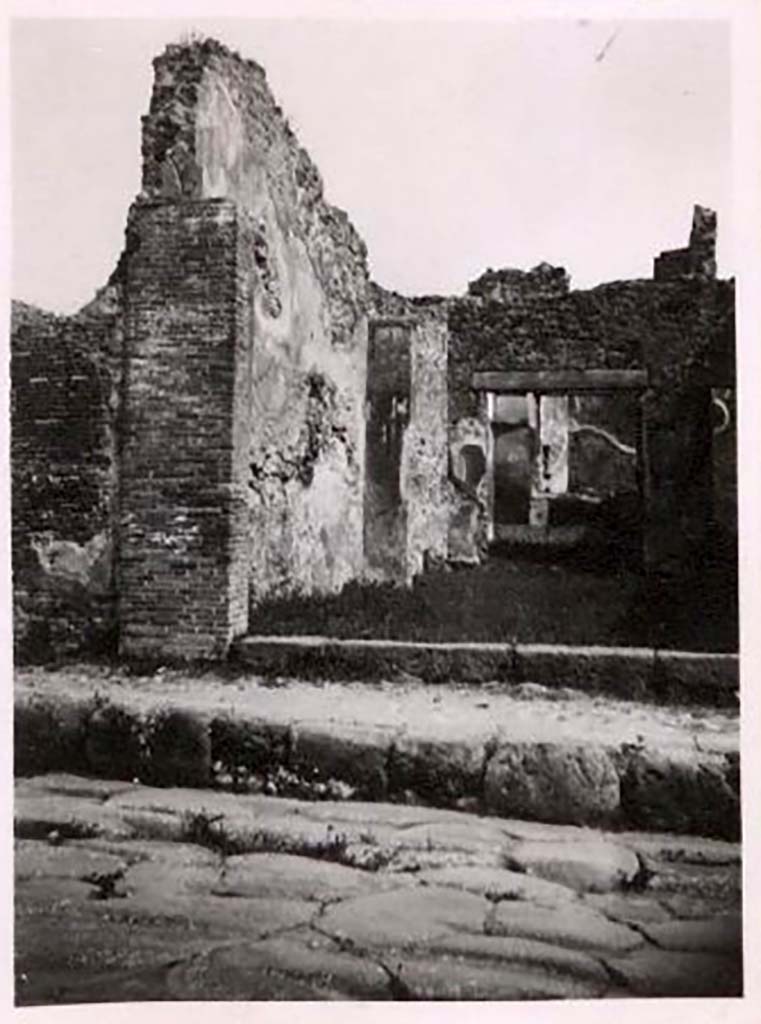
(521, 750)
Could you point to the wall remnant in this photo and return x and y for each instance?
(64, 477)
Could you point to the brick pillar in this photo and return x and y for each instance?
(182, 565)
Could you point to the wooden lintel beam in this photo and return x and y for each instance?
(393, 321)
(559, 381)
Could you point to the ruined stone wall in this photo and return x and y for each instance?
(64, 478)
(215, 131)
(680, 330)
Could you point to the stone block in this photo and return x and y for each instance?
(257, 746)
(439, 773)
(620, 672)
(406, 917)
(178, 749)
(658, 972)
(113, 744)
(688, 677)
(660, 794)
(722, 934)
(358, 757)
(49, 735)
(570, 926)
(587, 865)
(499, 884)
(551, 782)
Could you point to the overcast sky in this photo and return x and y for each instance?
(453, 146)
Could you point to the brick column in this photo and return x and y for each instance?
(182, 566)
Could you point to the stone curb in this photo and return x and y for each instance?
(624, 672)
(552, 782)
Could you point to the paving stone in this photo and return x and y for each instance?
(499, 884)
(48, 894)
(590, 865)
(134, 984)
(681, 849)
(96, 938)
(302, 955)
(235, 973)
(137, 851)
(35, 858)
(628, 909)
(688, 907)
(515, 951)
(449, 978)
(570, 926)
(36, 814)
(658, 972)
(720, 934)
(363, 814)
(478, 835)
(223, 917)
(544, 941)
(65, 784)
(699, 882)
(405, 917)
(516, 828)
(552, 782)
(414, 861)
(272, 874)
(239, 823)
(158, 884)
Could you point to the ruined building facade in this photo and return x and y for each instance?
(241, 412)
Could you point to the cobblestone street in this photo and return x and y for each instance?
(129, 893)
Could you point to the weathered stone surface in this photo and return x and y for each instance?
(722, 934)
(628, 909)
(626, 673)
(33, 859)
(658, 972)
(76, 786)
(568, 925)
(589, 865)
(439, 773)
(178, 749)
(449, 978)
(688, 906)
(681, 849)
(38, 814)
(160, 885)
(474, 834)
(406, 917)
(680, 797)
(514, 952)
(551, 782)
(112, 742)
(499, 884)
(157, 851)
(298, 965)
(358, 757)
(685, 677)
(273, 875)
(419, 930)
(49, 735)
